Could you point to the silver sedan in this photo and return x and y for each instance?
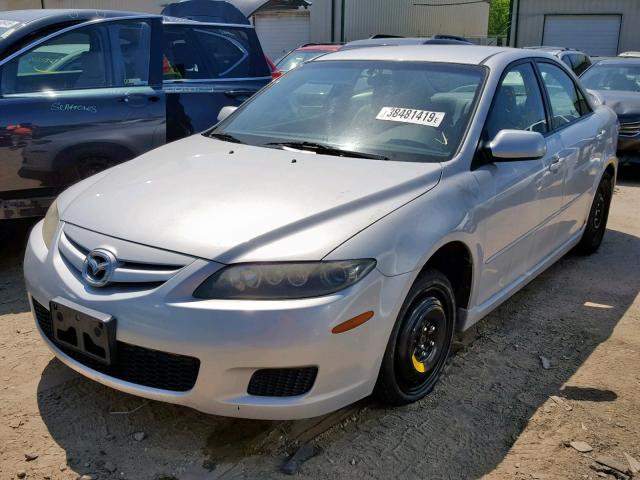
(326, 240)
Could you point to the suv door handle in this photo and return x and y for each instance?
(556, 163)
(126, 98)
(601, 134)
(240, 93)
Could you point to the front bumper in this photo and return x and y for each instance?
(232, 339)
(629, 149)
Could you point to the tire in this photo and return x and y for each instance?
(89, 166)
(598, 216)
(420, 341)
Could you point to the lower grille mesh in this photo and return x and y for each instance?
(139, 365)
(282, 382)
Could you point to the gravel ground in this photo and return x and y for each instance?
(498, 413)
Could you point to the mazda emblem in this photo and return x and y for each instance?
(98, 267)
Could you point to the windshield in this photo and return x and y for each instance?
(625, 78)
(406, 111)
(298, 57)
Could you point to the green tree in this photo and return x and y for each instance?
(499, 17)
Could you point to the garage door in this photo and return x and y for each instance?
(593, 34)
(282, 32)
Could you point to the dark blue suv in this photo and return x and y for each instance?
(83, 90)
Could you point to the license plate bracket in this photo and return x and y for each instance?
(84, 330)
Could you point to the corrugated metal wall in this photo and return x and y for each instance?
(530, 21)
(364, 18)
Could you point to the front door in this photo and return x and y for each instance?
(81, 101)
(519, 194)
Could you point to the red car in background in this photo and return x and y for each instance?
(305, 53)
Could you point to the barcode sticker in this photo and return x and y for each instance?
(411, 115)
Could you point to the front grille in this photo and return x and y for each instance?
(630, 129)
(282, 382)
(139, 365)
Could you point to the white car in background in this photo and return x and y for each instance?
(327, 239)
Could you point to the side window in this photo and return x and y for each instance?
(226, 49)
(132, 39)
(73, 60)
(567, 104)
(569, 60)
(203, 52)
(182, 58)
(582, 62)
(517, 104)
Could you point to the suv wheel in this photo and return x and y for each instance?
(420, 341)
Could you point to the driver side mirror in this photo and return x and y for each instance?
(225, 112)
(514, 145)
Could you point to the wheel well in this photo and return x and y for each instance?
(454, 261)
(611, 171)
(66, 158)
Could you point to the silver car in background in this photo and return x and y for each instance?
(327, 239)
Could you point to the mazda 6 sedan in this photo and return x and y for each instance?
(327, 239)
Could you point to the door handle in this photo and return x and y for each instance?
(127, 98)
(556, 163)
(601, 134)
(240, 93)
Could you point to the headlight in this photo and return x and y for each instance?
(279, 281)
(50, 224)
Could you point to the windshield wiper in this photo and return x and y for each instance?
(321, 148)
(225, 137)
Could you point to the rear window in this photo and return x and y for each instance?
(205, 52)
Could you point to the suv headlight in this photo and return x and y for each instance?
(50, 224)
(280, 281)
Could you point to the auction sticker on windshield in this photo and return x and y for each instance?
(411, 115)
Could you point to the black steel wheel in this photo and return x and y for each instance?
(598, 216)
(420, 341)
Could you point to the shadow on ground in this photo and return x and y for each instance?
(462, 430)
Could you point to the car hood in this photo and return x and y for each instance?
(233, 203)
(623, 103)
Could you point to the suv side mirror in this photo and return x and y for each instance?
(513, 145)
(225, 112)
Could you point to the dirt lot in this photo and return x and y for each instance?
(491, 416)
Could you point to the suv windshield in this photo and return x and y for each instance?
(625, 78)
(406, 111)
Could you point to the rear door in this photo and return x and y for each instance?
(206, 67)
(581, 133)
(78, 101)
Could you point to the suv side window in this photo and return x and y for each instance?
(567, 102)
(517, 103)
(73, 60)
(210, 52)
(132, 39)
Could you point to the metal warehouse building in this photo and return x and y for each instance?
(597, 27)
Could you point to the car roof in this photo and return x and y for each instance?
(61, 15)
(472, 55)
